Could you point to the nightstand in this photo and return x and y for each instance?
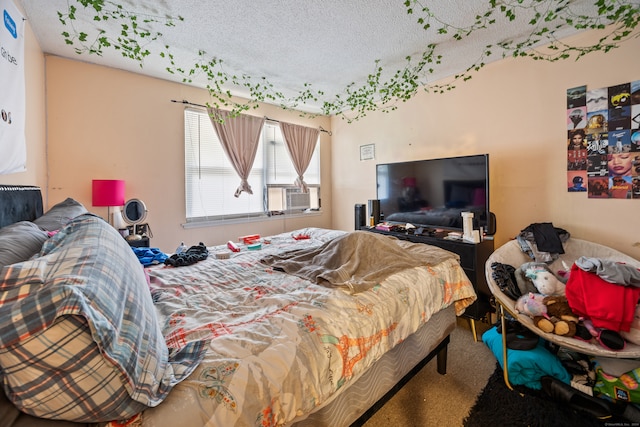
(142, 243)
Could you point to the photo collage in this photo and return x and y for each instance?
(603, 141)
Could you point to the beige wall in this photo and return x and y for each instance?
(104, 123)
(514, 110)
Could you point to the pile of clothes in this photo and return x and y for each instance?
(602, 298)
(154, 256)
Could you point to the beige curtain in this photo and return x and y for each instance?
(239, 136)
(300, 142)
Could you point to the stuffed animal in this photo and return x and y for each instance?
(531, 304)
(553, 325)
(558, 306)
(545, 282)
(559, 320)
(633, 335)
(524, 283)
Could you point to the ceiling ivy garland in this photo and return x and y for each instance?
(617, 19)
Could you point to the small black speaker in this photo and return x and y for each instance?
(492, 225)
(361, 216)
(374, 211)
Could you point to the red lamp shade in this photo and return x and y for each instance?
(108, 192)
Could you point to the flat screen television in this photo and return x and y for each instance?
(433, 193)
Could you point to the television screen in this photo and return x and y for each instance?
(433, 193)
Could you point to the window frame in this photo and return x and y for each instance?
(259, 191)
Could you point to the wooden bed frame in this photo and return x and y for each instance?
(353, 406)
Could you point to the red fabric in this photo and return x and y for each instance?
(608, 305)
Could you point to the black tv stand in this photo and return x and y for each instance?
(473, 257)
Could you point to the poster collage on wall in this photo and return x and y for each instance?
(603, 141)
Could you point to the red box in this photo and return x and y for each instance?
(249, 239)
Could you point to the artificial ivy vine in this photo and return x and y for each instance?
(616, 19)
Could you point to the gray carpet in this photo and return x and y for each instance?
(431, 399)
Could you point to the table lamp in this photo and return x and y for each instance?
(108, 192)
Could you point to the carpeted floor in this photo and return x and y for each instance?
(430, 399)
(473, 394)
(525, 407)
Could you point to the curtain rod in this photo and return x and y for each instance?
(184, 101)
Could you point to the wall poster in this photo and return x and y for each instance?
(603, 141)
(13, 146)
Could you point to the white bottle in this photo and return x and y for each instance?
(181, 248)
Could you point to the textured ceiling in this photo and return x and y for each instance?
(328, 44)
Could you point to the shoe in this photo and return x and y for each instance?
(578, 400)
(582, 333)
(609, 339)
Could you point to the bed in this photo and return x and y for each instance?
(238, 341)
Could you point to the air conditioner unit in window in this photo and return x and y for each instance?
(296, 200)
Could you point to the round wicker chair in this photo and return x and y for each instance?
(511, 254)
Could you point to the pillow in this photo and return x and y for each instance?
(19, 242)
(60, 214)
(87, 271)
(37, 383)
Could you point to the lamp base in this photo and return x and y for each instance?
(116, 219)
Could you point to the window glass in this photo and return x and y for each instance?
(211, 181)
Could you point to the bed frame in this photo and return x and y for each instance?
(354, 406)
(19, 203)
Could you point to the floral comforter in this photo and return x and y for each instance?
(281, 346)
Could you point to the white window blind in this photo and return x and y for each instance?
(210, 180)
(279, 169)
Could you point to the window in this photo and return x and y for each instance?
(210, 180)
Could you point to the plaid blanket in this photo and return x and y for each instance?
(88, 270)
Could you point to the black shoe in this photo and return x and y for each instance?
(583, 333)
(578, 400)
(611, 340)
